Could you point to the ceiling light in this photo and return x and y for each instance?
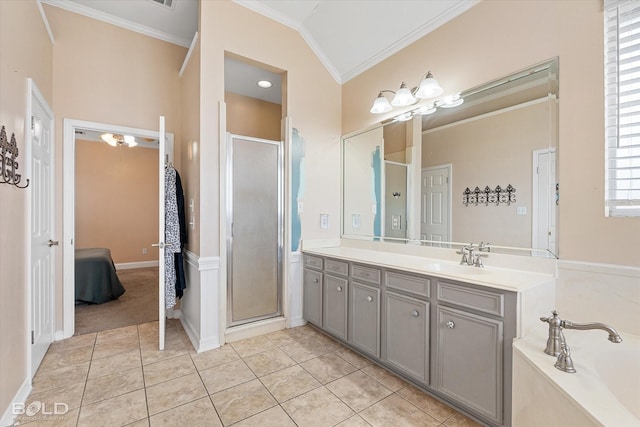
(450, 101)
(265, 84)
(115, 139)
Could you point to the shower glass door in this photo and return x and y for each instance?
(255, 229)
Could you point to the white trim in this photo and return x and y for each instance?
(253, 329)
(68, 205)
(137, 264)
(295, 257)
(119, 22)
(9, 418)
(208, 263)
(189, 53)
(45, 21)
(593, 267)
(59, 336)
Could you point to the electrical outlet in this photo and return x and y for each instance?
(324, 221)
(355, 220)
(144, 251)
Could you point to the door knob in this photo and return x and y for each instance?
(53, 243)
(161, 245)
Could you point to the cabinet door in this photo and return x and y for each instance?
(469, 360)
(407, 335)
(334, 314)
(364, 318)
(312, 291)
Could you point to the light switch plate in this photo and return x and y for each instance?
(355, 220)
(324, 221)
(521, 210)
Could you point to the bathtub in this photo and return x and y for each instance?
(605, 390)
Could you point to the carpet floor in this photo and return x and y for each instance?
(139, 304)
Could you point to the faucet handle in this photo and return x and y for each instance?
(552, 318)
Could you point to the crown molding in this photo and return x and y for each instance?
(119, 22)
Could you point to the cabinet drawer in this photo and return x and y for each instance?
(414, 284)
(367, 274)
(337, 267)
(481, 300)
(313, 262)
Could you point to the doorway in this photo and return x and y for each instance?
(254, 229)
(545, 193)
(435, 201)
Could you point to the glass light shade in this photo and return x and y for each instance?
(451, 101)
(403, 97)
(109, 139)
(403, 117)
(426, 110)
(130, 140)
(429, 87)
(380, 105)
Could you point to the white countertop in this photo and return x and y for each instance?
(494, 277)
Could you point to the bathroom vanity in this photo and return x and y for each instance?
(445, 327)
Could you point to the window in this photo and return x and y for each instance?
(622, 107)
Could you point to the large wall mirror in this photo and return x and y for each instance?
(483, 171)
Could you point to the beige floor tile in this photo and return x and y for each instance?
(308, 331)
(318, 407)
(70, 395)
(354, 358)
(153, 355)
(328, 367)
(169, 369)
(242, 401)
(118, 334)
(115, 346)
(226, 376)
(172, 340)
(197, 413)
(167, 395)
(140, 423)
(459, 420)
(305, 350)
(68, 419)
(285, 337)
(355, 421)
(66, 357)
(268, 361)
(428, 404)
(60, 377)
(119, 362)
(253, 345)
(328, 342)
(117, 411)
(396, 411)
(386, 378)
(358, 390)
(112, 385)
(289, 383)
(216, 357)
(274, 417)
(75, 341)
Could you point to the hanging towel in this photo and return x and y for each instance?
(171, 236)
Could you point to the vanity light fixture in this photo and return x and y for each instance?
(265, 84)
(450, 101)
(403, 97)
(115, 139)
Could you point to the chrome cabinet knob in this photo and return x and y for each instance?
(339, 288)
(415, 313)
(450, 324)
(369, 298)
(315, 280)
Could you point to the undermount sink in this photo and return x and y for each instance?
(450, 268)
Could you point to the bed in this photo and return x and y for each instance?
(96, 278)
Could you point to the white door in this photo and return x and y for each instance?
(435, 212)
(162, 161)
(43, 244)
(544, 200)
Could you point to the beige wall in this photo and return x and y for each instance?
(117, 200)
(189, 166)
(493, 150)
(312, 104)
(103, 73)
(253, 117)
(25, 52)
(494, 39)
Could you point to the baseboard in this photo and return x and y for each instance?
(297, 322)
(59, 336)
(250, 330)
(198, 345)
(8, 418)
(139, 264)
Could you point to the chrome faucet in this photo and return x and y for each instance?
(472, 257)
(557, 346)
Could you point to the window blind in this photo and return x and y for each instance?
(622, 107)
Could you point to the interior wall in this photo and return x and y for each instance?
(189, 164)
(116, 200)
(253, 117)
(504, 157)
(103, 73)
(494, 39)
(317, 122)
(26, 52)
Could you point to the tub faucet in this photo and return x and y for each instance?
(556, 340)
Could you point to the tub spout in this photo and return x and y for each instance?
(614, 336)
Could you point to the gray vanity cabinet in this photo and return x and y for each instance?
(335, 298)
(364, 318)
(407, 335)
(312, 296)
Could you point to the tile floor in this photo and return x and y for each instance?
(287, 378)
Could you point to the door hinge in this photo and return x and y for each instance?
(33, 123)
(33, 337)
(447, 180)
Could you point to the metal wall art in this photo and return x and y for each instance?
(484, 197)
(8, 159)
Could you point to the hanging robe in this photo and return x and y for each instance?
(171, 236)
